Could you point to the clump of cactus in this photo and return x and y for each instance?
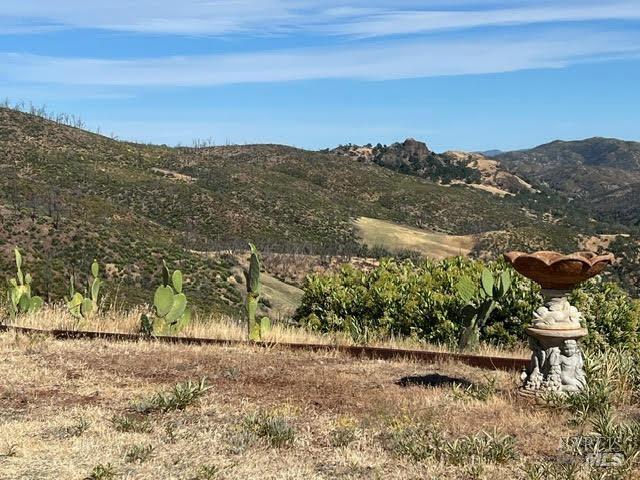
(170, 305)
(252, 276)
(79, 305)
(20, 299)
(481, 300)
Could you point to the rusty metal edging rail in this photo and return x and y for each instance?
(481, 361)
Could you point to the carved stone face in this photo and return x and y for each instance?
(569, 348)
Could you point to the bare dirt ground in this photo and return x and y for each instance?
(328, 416)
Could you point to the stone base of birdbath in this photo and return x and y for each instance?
(557, 363)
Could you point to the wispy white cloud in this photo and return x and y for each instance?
(15, 28)
(370, 61)
(417, 21)
(356, 17)
(157, 16)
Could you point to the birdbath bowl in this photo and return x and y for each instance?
(557, 362)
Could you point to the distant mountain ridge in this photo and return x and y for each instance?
(602, 173)
(490, 153)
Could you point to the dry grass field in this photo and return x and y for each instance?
(228, 328)
(96, 410)
(396, 238)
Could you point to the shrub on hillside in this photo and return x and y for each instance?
(405, 299)
(611, 316)
(400, 298)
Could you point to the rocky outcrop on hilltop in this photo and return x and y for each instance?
(415, 158)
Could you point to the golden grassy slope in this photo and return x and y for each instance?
(284, 298)
(394, 238)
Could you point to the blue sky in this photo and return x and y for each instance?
(458, 74)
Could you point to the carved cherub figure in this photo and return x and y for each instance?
(571, 367)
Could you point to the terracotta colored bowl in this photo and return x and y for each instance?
(556, 271)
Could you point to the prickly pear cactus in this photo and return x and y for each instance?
(170, 305)
(84, 306)
(19, 293)
(252, 278)
(265, 326)
(480, 302)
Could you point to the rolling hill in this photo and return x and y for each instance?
(68, 196)
(603, 174)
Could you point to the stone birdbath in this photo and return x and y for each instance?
(557, 362)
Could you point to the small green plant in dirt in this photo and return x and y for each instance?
(82, 306)
(481, 392)
(76, 429)
(486, 447)
(170, 432)
(102, 471)
(474, 471)
(275, 429)
(131, 424)
(594, 399)
(419, 444)
(239, 439)
(180, 397)
(481, 300)
(345, 433)
(19, 294)
(170, 306)
(252, 280)
(139, 453)
(552, 471)
(580, 470)
(231, 373)
(207, 472)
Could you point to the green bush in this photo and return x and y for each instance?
(610, 315)
(400, 298)
(404, 299)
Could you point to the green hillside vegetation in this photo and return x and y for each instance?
(68, 196)
(601, 173)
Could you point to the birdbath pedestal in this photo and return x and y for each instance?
(557, 362)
